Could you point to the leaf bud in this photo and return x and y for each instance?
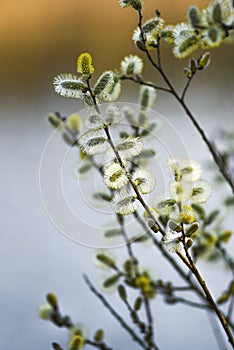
(52, 300)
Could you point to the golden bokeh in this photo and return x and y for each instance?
(45, 37)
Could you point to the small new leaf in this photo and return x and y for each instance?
(217, 13)
(137, 304)
(55, 120)
(109, 282)
(188, 73)
(106, 260)
(193, 66)
(199, 210)
(122, 292)
(192, 229)
(211, 217)
(56, 346)
(102, 196)
(194, 16)
(113, 233)
(203, 61)
(99, 335)
(83, 169)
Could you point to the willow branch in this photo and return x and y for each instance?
(140, 81)
(187, 260)
(188, 112)
(117, 316)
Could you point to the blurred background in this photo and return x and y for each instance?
(40, 39)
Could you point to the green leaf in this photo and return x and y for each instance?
(55, 120)
(223, 298)
(122, 292)
(56, 346)
(147, 153)
(85, 168)
(113, 233)
(123, 134)
(99, 335)
(229, 201)
(152, 225)
(140, 45)
(211, 217)
(52, 300)
(194, 16)
(102, 196)
(137, 304)
(203, 61)
(193, 66)
(199, 210)
(68, 139)
(192, 229)
(148, 130)
(231, 288)
(139, 239)
(109, 282)
(106, 260)
(217, 13)
(187, 72)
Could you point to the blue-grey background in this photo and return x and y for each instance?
(39, 40)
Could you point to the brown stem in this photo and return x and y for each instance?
(209, 297)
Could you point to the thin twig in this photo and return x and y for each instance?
(98, 345)
(159, 52)
(227, 258)
(189, 303)
(114, 313)
(140, 81)
(150, 331)
(187, 85)
(209, 297)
